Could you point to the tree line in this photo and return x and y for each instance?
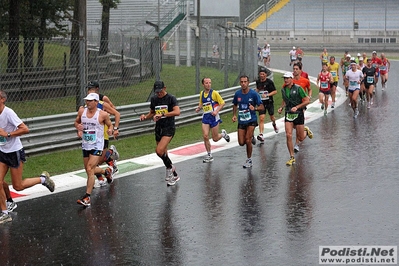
(27, 21)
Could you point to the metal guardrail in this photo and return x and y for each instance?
(57, 132)
(259, 11)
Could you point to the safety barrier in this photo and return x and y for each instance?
(57, 132)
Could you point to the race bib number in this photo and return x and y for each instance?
(334, 73)
(161, 110)
(346, 68)
(383, 68)
(244, 115)
(207, 107)
(353, 83)
(264, 95)
(370, 79)
(293, 57)
(324, 85)
(291, 117)
(3, 141)
(89, 136)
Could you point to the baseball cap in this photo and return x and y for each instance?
(358, 54)
(262, 69)
(268, 45)
(93, 84)
(348, 55)
(361, 58)
(374, 52)
(158, 86)
(288, 75)
(293, 47)
(92, 96)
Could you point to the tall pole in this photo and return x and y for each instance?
(198, 48)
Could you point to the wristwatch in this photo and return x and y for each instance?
(116, 128)
(8, 134)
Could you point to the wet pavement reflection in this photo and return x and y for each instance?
(343, 190)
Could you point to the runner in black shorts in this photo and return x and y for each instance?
(163, 109)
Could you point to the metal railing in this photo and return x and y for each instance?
(259, 11)
(57, 132)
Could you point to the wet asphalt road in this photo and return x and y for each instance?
(342, 191)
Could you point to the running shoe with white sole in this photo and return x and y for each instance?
(225, 135)
(208, 159)
(48, 182)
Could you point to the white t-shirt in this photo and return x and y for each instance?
(292, 54)
(9, 121)
(354, 79)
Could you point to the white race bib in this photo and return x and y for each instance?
(244, 115)
(89, 136)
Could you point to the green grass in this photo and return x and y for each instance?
(178, 80)
(67, 161)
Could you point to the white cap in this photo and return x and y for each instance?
(352, 58)
(268, 45)
(353, 63)
(358, 54)
(361, 58)
(293, 47)
(348, 55)
(288, 75)
(374, 52)
(92, 96)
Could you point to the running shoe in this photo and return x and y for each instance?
(11, 206)
(109, 175)
(169, 173)
(260, 137)
(115, 168)
(48, 182)
(356, 113)
(296, 148)
(310, 133)
(275, 128)
(115, 153)
(225, 135)
(325, 112)
(5, 218)
(173, 180)
(291, 161)
(371, 101)
(253, 140)
(248, 163)
(368, 105)
(85, 201)
(322, 106)
(208, 159)
(333, 105)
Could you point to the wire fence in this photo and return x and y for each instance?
(45, 77)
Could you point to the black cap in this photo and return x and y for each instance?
(93, 84)
(262, 69)
(158, 86)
